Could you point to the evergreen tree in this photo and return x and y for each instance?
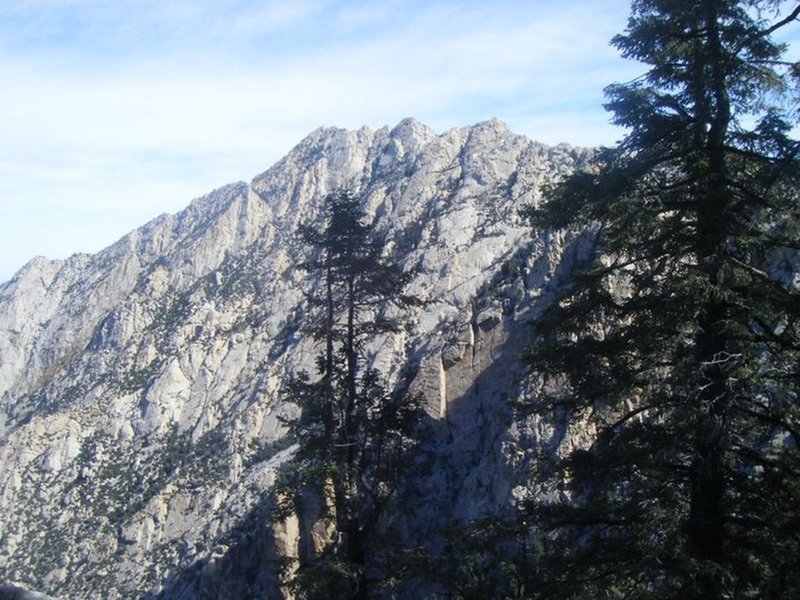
(679, 339)
(357, 436)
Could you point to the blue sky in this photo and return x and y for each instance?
(115, 111)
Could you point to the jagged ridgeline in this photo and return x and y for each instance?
(142, 425)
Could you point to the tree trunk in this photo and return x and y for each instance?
(330, 309)
(706, 531)
(352, 368)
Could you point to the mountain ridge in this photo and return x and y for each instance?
(141, 419)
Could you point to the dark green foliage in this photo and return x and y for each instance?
(491, 557)
(357, 436)
(679, 340)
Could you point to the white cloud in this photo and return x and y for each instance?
(139, 132)
(272, 16)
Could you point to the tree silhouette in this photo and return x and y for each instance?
(357, 435)
(678, 341)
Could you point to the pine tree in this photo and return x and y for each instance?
(357, 435)
(679, 339)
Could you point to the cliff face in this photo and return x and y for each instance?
(140, 426)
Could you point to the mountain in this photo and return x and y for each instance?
(141, 427)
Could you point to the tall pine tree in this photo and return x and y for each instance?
(357, 436)
(678, 342)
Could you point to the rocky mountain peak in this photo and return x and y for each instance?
(140, 409)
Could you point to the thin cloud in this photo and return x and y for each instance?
(149, 104)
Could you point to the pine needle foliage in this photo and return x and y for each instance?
(357, 436)
(679, 340)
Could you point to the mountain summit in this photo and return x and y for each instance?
(141, 427)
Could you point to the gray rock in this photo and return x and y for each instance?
(10, 591)
(140, 414)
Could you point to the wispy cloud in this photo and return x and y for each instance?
(132, 107)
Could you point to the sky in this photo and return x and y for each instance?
(113, 112)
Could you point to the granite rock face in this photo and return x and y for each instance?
(140, 418)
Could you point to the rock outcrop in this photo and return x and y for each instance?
(140, 418)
